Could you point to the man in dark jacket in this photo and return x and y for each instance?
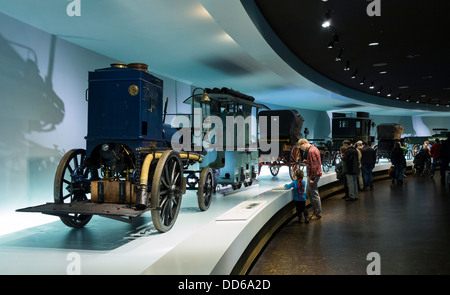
(368, 160)
(444, 157)
(351, 167)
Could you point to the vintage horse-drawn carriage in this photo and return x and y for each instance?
(388, 135)
(343, 127)
(290, 125)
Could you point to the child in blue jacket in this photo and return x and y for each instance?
(299, 186)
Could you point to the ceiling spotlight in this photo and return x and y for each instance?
(362, 81)
(354, 74)
(339, 56)
(347, 66)
(389, 93)
(333, 41)
(379, 90)
(398, 96)
(371, 85)
(326, 23)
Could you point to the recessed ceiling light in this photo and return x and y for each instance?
(374, 44)
(381, 64)
(403, 87)
(411, 56)
(383, 72)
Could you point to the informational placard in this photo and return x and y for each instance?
(243, 211)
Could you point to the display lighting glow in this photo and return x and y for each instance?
(326, 24)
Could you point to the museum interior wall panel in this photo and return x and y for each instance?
(43, 113)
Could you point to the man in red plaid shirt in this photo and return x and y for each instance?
(313, 171)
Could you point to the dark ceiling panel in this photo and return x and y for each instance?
(411, 60)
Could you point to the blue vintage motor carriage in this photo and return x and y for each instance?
(129, 165)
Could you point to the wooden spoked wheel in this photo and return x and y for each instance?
(327, 161)
(274, 168)
(205, 189)
(167, 190)
(294, 161)
(72, 184)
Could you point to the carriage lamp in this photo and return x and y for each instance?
(206, 109)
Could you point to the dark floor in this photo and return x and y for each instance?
(408, 226)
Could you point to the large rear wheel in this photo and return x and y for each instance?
(73, 184)
(294, 161)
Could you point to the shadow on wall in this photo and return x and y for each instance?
(28, 105)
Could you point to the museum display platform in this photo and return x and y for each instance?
(222, 240)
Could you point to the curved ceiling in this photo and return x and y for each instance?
(394, 50)
(209, 43)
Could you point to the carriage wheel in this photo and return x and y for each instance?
(167, 190)
(205, 189)
(294, 161)
(327, 161)
(274, 168)
(72, 184)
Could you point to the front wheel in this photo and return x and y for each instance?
(205, 189)
(73, 184)
(167, 190)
